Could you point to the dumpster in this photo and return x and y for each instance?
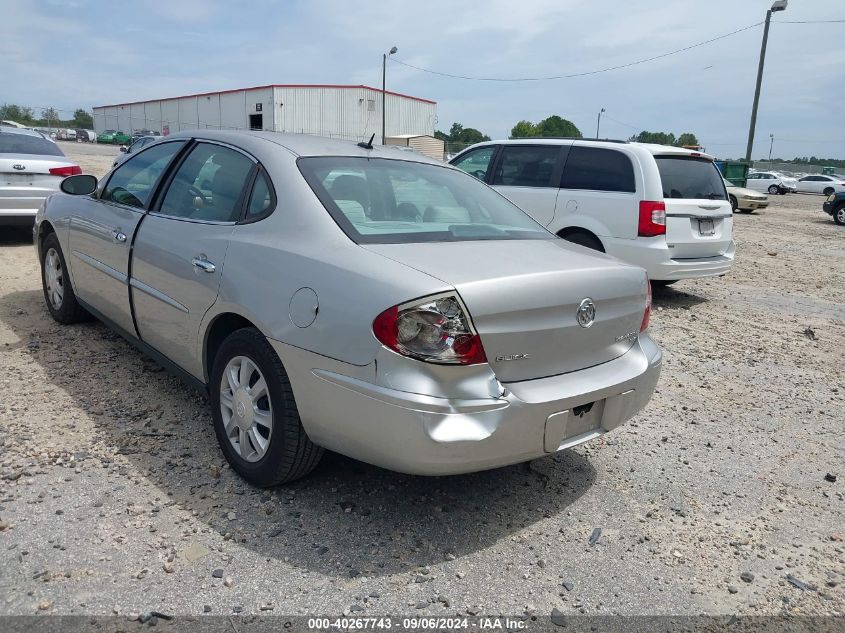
(734, 171)
(828, 171)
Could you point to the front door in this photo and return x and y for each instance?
(100, 234)
(181, 247)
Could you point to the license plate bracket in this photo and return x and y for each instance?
(706, 227)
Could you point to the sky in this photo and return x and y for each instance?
(81, 53)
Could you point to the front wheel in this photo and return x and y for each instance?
(55, 282)
(839, 215)
(734, 204)
(774, 189)
(255, 416)
(828, 191)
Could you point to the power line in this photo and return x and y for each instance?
(580, 74)
(807, 21)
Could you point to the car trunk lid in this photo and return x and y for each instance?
(524, 297)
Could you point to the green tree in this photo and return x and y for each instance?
(83, 119)
(524, 129)
(19, 114)
(687, 138)
(557, 126)
(658, 138)
(50, 116)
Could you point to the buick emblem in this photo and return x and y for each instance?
(18, 167)
(586, 313)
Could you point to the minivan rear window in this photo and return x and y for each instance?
(26, 144)
(691, 178)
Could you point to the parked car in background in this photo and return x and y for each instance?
(366, 300)
(659, 207)
(85, 136)
(134, 147)
(32, 167)
(63, 134)
(834, 206)
(771, 182)
(818, 183)
(113, 136)
(745, 200)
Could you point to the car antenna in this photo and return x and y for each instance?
(368, 144)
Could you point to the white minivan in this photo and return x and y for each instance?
(662, 208)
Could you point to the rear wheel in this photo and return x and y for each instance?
(839, 215)
(584, 239)
(58, 292)
(255, 416)
(828, 191)
(774, 189)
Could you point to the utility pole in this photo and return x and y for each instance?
(779, 5)
(771, 144)
(598, 124)
(383, 92)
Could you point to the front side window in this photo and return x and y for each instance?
(527, 166)
(598, 169)
(477, 162)
(388, 201)
(690, 178)
(133, 182)
(208, 185)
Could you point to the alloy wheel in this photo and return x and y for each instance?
(54, 278)
(246, 408)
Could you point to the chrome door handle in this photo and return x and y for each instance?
(708, 207)
(118, 236)
(203, 264)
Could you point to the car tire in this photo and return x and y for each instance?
(288, 453)
(839, 215)
(734, 204)
(828, 191)
(55, 283)
(584, 239)
(774, 189)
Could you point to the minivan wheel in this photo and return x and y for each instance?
(774, 189)
(255, 416)
(584, 239)
(839, 215)
(828, 191)
(55, 281)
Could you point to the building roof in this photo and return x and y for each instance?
(221, 92)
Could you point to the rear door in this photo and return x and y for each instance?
(181, 246)
(699, 220)
(528, 175)
(101, 230)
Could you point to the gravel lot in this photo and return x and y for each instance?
(114, 497)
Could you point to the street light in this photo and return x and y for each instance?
(779, 5)
(383, 89)
(598, 124)
(771, 144)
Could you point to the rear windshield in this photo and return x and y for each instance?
(26, 144)
(691, 178)
(386, 201)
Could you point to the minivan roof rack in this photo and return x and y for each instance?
(569, 138)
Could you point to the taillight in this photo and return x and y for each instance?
(435, 330)
(647, 311)
(652, 218)
(70, 170)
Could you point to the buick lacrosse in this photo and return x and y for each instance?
(365, 300)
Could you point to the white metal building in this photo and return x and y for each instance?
(347, 112)
(423, 143)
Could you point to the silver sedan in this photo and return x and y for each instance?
(354, 298)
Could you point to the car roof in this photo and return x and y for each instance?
(600, 142)
(306, 144)
(23, 131)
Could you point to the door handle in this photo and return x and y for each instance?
(118, 236)
(707, 207)
(203, 264)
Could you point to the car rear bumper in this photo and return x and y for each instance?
(656, 257)
(426, 435)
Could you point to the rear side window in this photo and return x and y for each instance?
(527, 166)
(26, 144)
(690, 178)
(261, 198)
(598, 169)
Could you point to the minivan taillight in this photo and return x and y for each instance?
(647, 311)
(435, 330)
(652, 218)
(70, 170)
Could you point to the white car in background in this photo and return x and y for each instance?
(819, 183)
(771, 181)
(659, 207)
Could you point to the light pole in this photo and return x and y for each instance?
(383, 89)
(598, 123)
(771, 144)
(779, 5)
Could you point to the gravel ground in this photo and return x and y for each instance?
(114, 497)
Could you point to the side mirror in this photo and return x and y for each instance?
(79, 185)
(124, 149)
